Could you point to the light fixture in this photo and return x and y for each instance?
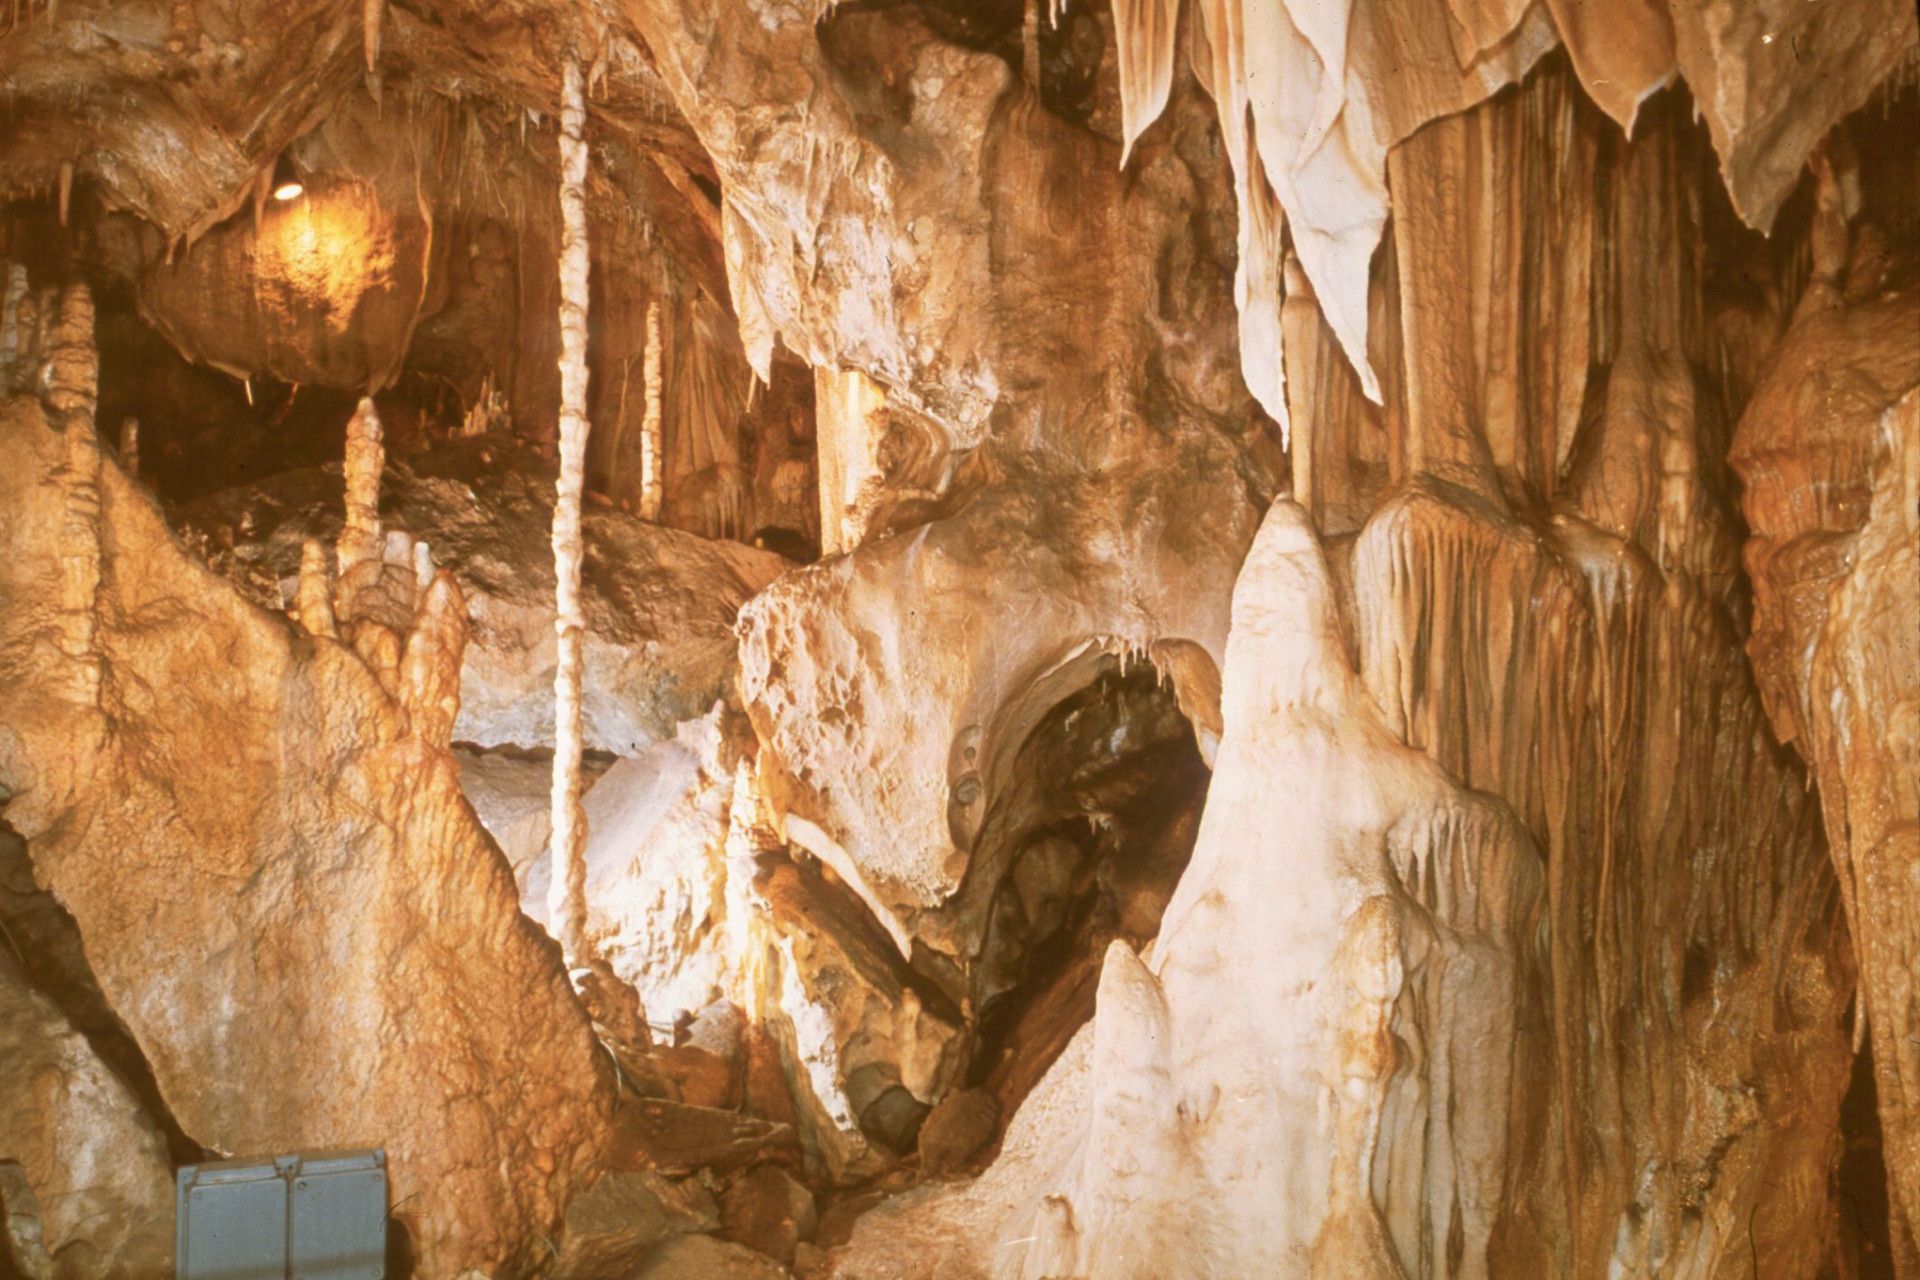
(286, 183)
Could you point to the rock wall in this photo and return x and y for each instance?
(1829, 450)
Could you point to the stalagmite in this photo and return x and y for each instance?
(566, 895)
(360, 537)
(651, 485)
(130, 446)
(313, 594)
(72, 375)
(72, 363)
(430, 669)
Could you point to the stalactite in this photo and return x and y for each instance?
(1030, 45)
(1143, 32)
(652, 488)
(371, 14)
(566, 893)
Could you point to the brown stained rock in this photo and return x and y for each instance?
(704, 1258)
(675, 1138)
(768, 1211)
(699, 1078)
(324, 290)
(1829, 450)
(810, 1261)
(768, 1095)
(708, 1067)
(280, 890)
(959, 1125)
(614, 1225)
(93, 1195)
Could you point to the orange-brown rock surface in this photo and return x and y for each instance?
(281, 890)
(1829, 453)
(85, 1185)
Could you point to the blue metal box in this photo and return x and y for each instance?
(318, 1215)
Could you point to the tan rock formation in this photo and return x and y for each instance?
(94, 1195)
(1829, 450)
(1259, 494)
(293, 945)
(1458, 909)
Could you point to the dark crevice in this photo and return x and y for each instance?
(1085, 846)
(39, 934)
(1860, 1177)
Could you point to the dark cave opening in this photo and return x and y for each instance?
(1083, 846)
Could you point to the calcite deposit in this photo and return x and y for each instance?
(1102, 639)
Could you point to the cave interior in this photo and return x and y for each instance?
(964, 639)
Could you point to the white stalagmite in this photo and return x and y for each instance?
(130, 446)
(652, 490)
(566, 892)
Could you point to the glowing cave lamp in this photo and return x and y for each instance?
(286, 183)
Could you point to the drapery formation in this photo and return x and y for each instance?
(1312, 94)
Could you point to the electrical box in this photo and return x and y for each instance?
(318, 1215)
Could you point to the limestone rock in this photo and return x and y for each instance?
(613, 1226)
(656, 834)
(1829, 449)
(281, 890)
(704, 1258)
(690, 900)
(511, 795)
(769, 1212)
(94, 1195)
